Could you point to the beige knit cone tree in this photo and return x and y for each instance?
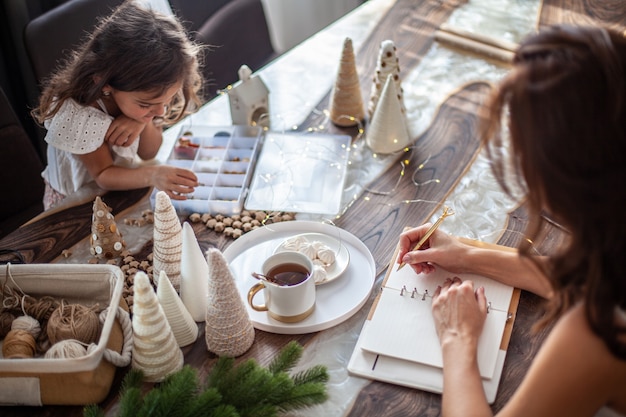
(155, 351)
(167, 240)
(388, 64)
(106, 240)
(346, 101)
(388, 131)
(228, 329)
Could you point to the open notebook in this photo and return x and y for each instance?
(398, 342)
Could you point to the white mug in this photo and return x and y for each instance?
(290, 298)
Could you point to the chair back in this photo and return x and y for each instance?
(52, 36)
(236, 34)
(21, 184)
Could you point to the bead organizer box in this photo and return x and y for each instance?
(248, 167)
(223, 159)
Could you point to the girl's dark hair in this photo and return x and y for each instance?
(565, 104)
(133, 49)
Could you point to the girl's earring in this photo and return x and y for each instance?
(106, 93)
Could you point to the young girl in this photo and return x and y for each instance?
(565, 100)
(107, 106)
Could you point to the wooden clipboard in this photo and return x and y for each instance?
(400, 372)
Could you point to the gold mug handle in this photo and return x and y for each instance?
(251, 293)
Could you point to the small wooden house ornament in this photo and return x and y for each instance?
(249, 100)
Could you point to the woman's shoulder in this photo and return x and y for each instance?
(575, 326)
(575, 331)
(77, 128)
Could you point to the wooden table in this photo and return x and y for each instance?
(452, 146)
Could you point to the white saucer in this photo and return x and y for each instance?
(335, 302)
(342, 256)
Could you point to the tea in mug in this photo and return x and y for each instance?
(288, 274)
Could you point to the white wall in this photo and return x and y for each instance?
(162, 6)
(292, 21)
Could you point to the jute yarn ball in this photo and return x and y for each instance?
(19, 344)
(73, 321)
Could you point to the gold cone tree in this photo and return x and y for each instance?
(346, 101)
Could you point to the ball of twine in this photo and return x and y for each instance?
(73, 321)
(6, 320)
(27, 323)
(18, 344)
(41, 308)
(66, 349)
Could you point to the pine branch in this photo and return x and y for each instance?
(241, 384)
(245, 390)
(287, 358)
(260, 410)
(220, 370)
(305, 395)
(209, 403)
(92, 411)
(130, 402)
(173, 395)
(130, 394)
(133, 379)
(315, 374)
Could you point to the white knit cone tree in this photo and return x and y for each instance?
(194, 273)
(167, 239)
(183, 325)
(155, 351)
(387, 64)
(346, 101)
(388, 131)
(228, 328)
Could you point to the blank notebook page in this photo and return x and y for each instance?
(402, 325)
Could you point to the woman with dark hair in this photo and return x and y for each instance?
(564, 103)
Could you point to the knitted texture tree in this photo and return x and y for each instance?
(346, 101)
(167, 239)
(228, 329)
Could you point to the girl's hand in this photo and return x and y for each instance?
(440, 249)
(459, 312)
(176, 182)
(123, 131)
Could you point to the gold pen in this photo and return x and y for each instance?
(446, 212)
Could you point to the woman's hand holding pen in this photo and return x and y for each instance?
(440, 249)
(459, 309)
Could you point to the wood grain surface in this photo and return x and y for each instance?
(451, 145)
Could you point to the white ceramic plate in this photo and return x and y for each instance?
(342, 256)
(335, 301)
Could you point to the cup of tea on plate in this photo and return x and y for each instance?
(288, 287)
